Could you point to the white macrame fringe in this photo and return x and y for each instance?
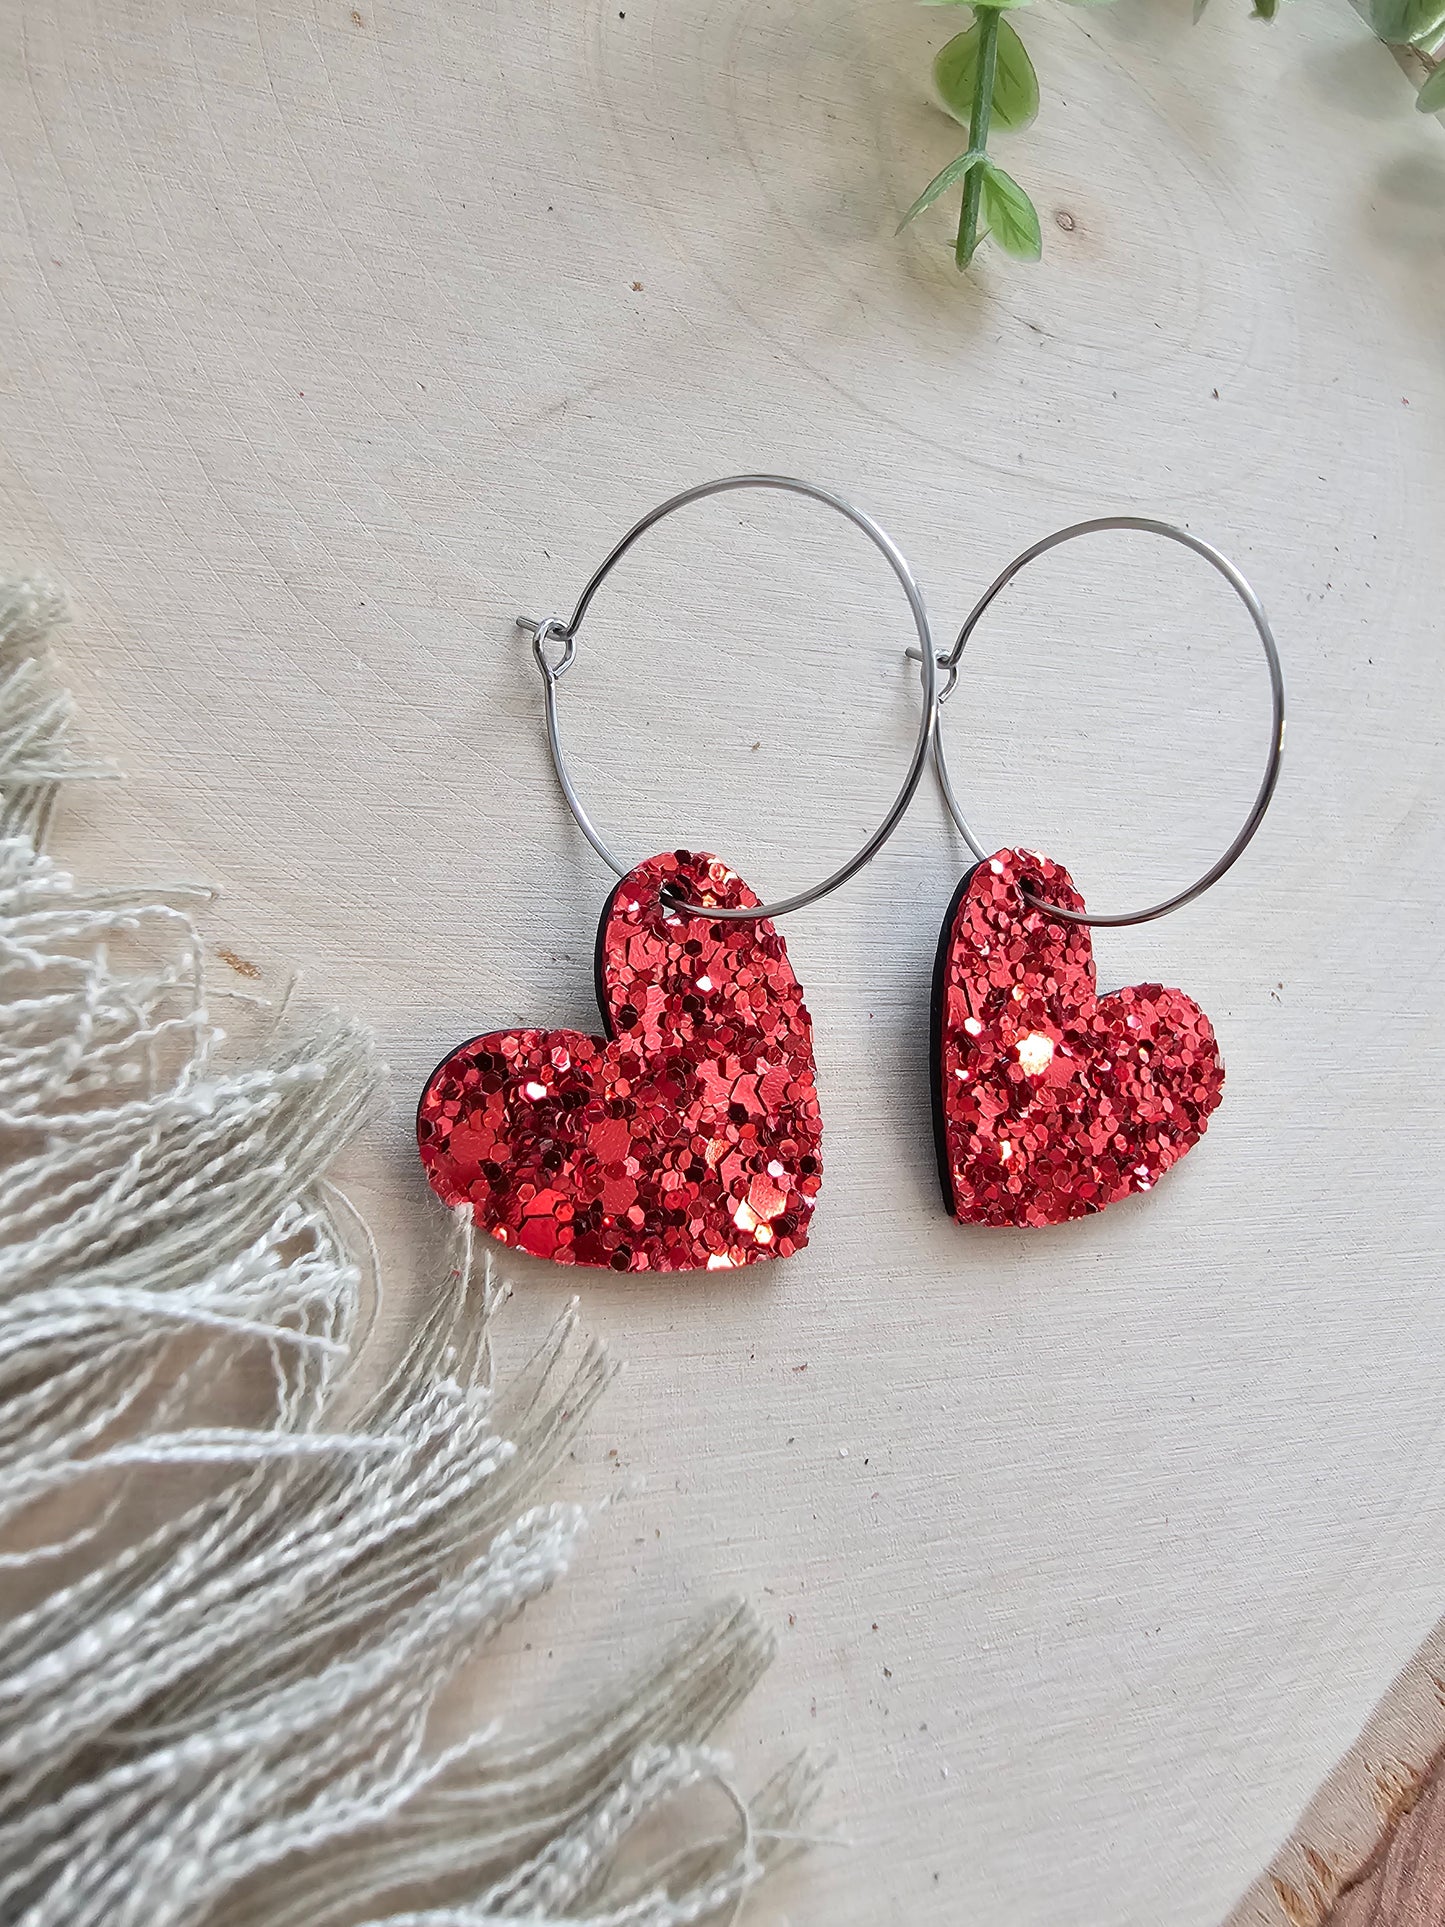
(226, 1631)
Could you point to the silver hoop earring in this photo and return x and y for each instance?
(1049, 1101)
(688, 1135)
(552, 629)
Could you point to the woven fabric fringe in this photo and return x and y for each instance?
(234, 1590)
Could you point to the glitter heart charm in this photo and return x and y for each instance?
(687, 1138)
(1049, 1101)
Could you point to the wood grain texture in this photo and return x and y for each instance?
(333, 335)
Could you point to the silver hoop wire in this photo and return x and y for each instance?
(1276, 684)
(552, 629)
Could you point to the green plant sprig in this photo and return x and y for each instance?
(985, 80)
(1420, 26)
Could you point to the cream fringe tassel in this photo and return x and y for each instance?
(224, 1631)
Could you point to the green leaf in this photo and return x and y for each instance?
(1012, 217)
(1431, 97)
(955, 68)
(940, 184)
(1406, 21)
(1015, 84)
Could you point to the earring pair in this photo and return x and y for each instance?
(688, 1135)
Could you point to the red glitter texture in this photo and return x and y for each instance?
(1051, 1101)
(686, 1140)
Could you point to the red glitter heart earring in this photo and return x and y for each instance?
(1050, 1101)
(687, 1136)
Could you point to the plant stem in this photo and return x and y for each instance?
(978, 133)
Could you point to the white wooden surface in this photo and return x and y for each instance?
(331, 338)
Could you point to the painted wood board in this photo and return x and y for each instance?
(334, 337)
